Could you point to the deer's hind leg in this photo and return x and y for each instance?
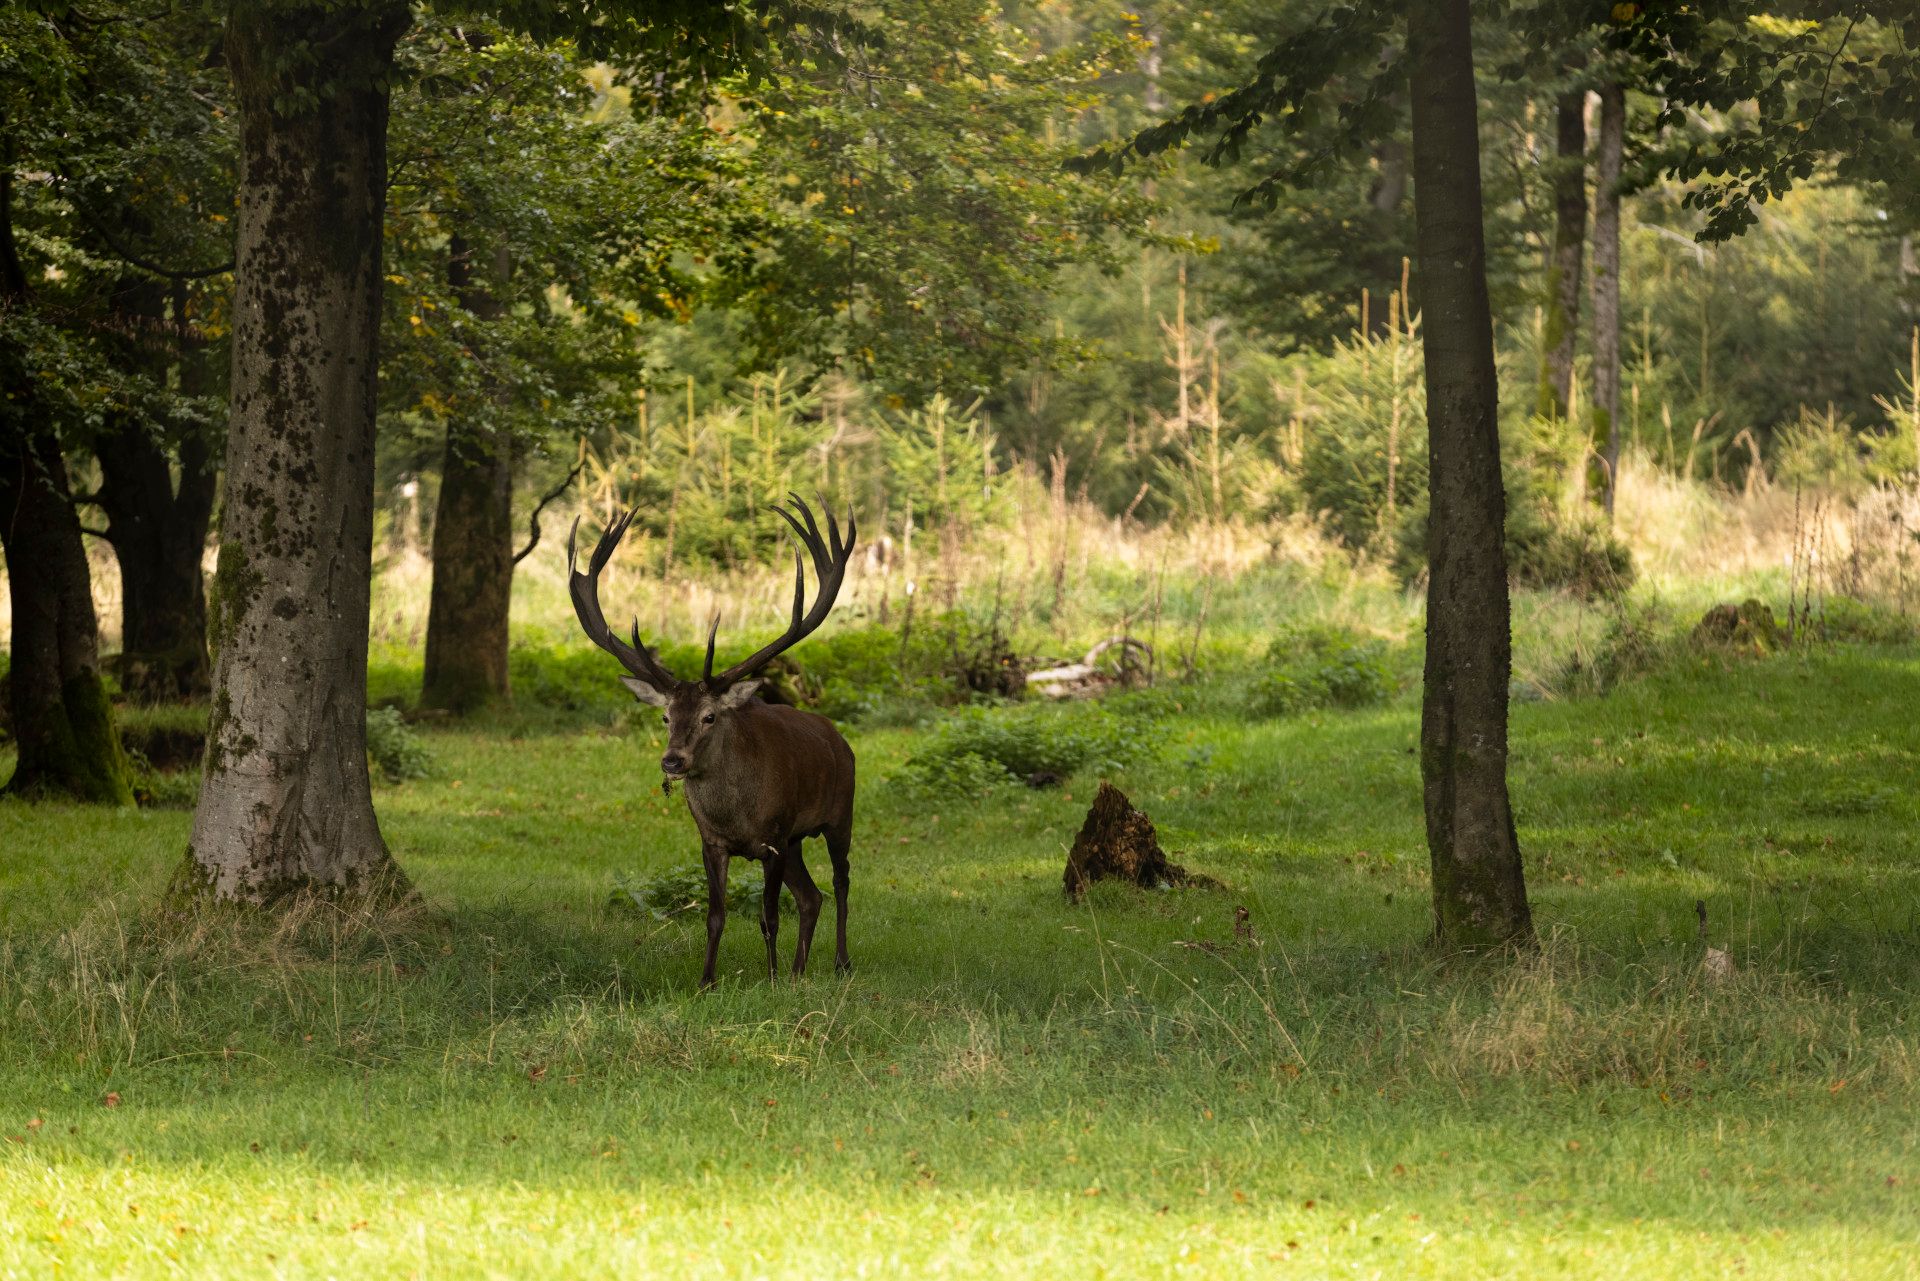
(839, 841)
(807, 899)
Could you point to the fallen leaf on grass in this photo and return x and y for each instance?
(112, 1100)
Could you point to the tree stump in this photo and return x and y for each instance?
(1748, 626)
(1118, 842)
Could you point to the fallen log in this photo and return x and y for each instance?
(1086, 678)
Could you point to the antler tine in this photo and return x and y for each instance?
(837, 549)
(830, 558)
(713, 631)
(585, 590)
(809, 534)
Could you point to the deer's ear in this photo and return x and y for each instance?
(643, 691)
(737, 695)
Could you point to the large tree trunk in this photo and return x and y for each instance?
(1608, 150)
(466, 665)
(158, 530)
(1562, 328)
(1479, 895)
(62, 721)
(285, 802)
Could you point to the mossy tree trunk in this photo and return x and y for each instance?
(1479, 894)
(285, 801)
(1609, 149)
(62, 720)
(1560, 332)
(466, 661)
(157, 526)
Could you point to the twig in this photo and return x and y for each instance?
(533, 521)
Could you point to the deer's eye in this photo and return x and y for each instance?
(707, 719)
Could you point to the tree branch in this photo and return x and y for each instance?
(533, 521)
(146, 264)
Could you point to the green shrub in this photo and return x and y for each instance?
(1580, 556)
(571, 678)
(935, 773)
(665, 895)
(1546, 549)
(1825, 452)
(1365, 400)
(394, 749)
(980, 747)
(1319, 665)
(1634, 644)
(1842, 618)
(847, 675)
(872, 675)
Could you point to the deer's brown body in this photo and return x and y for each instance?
(759, 779)
(779, 775)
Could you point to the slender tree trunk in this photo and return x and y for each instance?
(285, 802)
(1608, 149)
(62, 721)
(1384, 201)
(158, 530)
(466, 664)
(1562, 328)
(1479, 895)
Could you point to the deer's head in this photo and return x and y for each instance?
(695, 710)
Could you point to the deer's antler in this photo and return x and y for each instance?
(830, 559)
(585, 590)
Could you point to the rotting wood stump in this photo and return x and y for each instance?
(1117, 842)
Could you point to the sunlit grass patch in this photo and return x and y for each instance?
(514, 1078)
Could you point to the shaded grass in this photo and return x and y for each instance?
(514, 1081)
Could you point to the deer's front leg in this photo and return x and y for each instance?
(715, 859)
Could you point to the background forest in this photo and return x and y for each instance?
(869, 276)
(1105, 323)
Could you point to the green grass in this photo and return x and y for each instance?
(519, 1081)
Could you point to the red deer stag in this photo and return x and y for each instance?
(759, 778)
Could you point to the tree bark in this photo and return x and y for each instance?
(1479, 894)
(1561, 330)
(62, 720)
(158, 529)
(1608, 151)
(466, 663)
(1384, 200)
(285, 802)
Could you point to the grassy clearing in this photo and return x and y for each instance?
(519, 1080)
